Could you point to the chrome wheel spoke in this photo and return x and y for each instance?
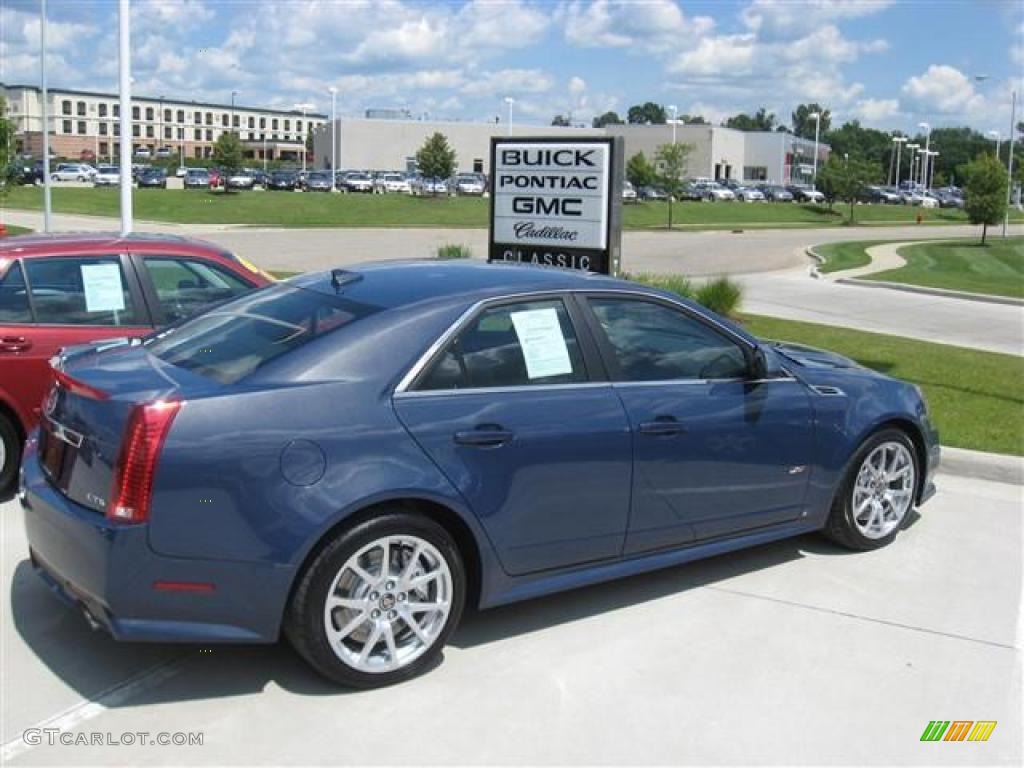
(426, 607)
(883, 490)
(351, 627)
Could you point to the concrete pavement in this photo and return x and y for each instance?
(791, 653)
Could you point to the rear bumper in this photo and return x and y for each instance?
(109, 572)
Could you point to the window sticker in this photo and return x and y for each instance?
(103, 289)
(540, 336)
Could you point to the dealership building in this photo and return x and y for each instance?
(717, 152)
(86, 125)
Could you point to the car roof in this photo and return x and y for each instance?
(398, 283)
(40, 245)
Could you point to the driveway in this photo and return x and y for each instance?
(790, 653)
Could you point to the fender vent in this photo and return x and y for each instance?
(828, 391)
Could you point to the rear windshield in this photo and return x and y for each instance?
(231, 342)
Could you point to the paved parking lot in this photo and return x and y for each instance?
(796, 652)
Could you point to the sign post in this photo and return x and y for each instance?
(557, 202)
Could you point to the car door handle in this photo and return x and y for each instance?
(14, 344)
(483, 436)
(662, 426)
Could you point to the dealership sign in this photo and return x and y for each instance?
(557, 202)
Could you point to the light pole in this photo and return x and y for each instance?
(675, 112)
(124, 48)
(303, 108)
(927, 146)
(509, 101)
(931, 170)
(817, 130)
(1009, 162)
(899, 141)
(998, 137)
(334, 138)
(912, 149)
(47, 203)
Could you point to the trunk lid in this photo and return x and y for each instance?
(87, 408)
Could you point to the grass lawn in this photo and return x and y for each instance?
(976, 398)
(996, 268)
(13, 230)
(848, 255)
(291, 209)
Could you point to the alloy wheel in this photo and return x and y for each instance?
(884, 490)
(388, 604)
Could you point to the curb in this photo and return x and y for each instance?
(996, 467)
(964, 295)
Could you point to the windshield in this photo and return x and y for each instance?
(231, 342)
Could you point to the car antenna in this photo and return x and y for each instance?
(342, 277)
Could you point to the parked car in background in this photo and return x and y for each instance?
(805, 194)
(60, 290)
(776, 193)
(153, 178)
(72, 172)
(928, 200)
(749, 194)
(390, 431)
(180, 171)
(143, 152)
(282, 180)
(357, 181)
(628, 192)
(319, 181)
(948, 198)
(197, 178)
(395, 183)
(652, 193)
(259, 177)
(216, 178)
(240, 180)
(469, 184)
(715, 192)
(880, 195)
(107, 176)
(163, 152)
(26, 171)
(430, 186)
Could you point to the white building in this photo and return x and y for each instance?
(86, 125)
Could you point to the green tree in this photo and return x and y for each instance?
(985, 192)
(762, 120)
(639, 171)
(436, 159)
(648, 112)
(561, 121)
(670, 168)
(7, 170)
(869, 144)
(608, 118)
(227, 153)
(844, 178)
(803, 123)
(693, 119)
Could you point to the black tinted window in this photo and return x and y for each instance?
(14, 297)
(513, 345)
(80, 291)
(184, 287)
(652, 342)
(231, 342)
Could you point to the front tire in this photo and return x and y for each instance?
(379, 601)
(10, 455)
(877, 492)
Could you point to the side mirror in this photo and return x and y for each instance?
(758, 364)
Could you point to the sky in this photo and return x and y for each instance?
(888, 63)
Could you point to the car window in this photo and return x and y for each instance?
(81, 291)
(233, 341)
(187, 286)
(14, 306)
(652, 342)
(514, 345)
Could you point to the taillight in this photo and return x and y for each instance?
(148, 425)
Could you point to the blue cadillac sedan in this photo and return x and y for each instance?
(351, 457)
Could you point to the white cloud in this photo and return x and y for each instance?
(725, 54)
(508, 82)
(786, 18)
(577, 85)
(655, 25)
(942, 89)
(876, 111)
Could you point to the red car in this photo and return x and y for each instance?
(60, 290)
(216, 179)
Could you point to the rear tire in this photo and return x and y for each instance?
(378, 602)
(876, 494)
(10, 455)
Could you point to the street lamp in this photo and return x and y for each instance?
(995, 135)
(509, 101)
(334, 138)
(817, 128)
(927, 145)
(899, 141)
(675, 112)
(931, 170)
(47, 204)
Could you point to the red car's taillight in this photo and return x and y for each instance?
(144, 437)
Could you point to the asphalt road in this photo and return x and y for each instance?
(791, 653)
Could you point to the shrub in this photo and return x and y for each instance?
(454, 251)
(674, 283)
(721, 295)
